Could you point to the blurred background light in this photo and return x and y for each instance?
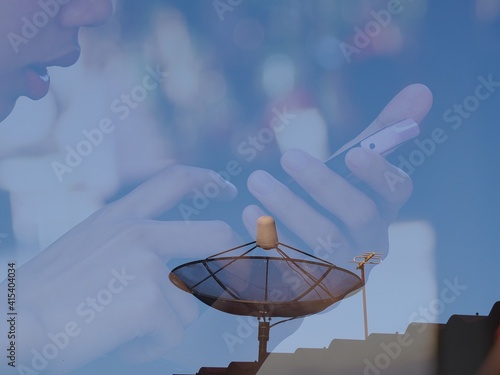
(487, 10)
(278, 75)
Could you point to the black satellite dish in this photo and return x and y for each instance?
(266, 286)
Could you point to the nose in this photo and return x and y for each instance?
(78, 13)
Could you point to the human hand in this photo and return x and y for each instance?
(348, 221)
(104, 285)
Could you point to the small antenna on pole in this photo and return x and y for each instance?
(362, 260)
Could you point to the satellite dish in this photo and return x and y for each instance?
(266, 279)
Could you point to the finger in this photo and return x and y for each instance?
(302, 220)
(355, 209)
(290, 209)
(167, 189)
(193, 239)
(414, 102)
(250, 215)
(392, 185)
(330, 190)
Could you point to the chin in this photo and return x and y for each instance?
(6, 106)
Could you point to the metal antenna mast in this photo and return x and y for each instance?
(362, 260)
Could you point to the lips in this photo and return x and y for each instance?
(37, 82)
(65, 60)
(37, 79)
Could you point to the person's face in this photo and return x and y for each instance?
(35, 34)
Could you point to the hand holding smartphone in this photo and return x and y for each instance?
(382, 142)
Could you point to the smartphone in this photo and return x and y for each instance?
(382, 142)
